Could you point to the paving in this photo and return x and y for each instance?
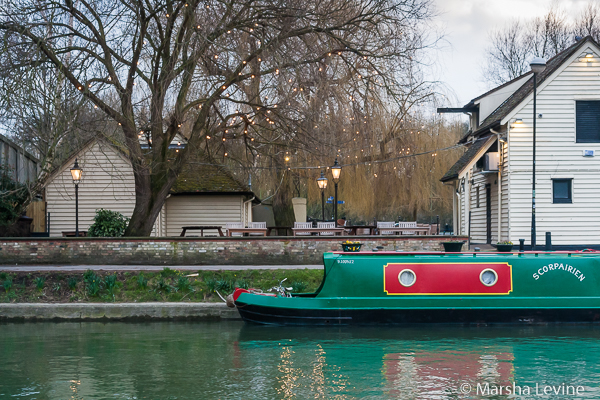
(78, 268)
(116, 311)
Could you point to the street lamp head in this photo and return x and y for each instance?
(76, 172)
(322, 181)
(336, 170)
(538, 64)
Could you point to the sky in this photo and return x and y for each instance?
(466, 25)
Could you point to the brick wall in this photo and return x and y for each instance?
(196, 251)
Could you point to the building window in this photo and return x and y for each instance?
(477, 194)
(562, 190)
(587, 121)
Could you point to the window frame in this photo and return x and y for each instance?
(577, 126)
(568, 200)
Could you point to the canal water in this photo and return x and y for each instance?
(161, 360)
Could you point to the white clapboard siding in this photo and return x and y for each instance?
(505, 197)
(478, 212)
(558, 156)
(190, 210)
(107, 182)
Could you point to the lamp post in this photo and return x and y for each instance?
(76, 175)
(537, 65)
(336, 170)
(322, 182)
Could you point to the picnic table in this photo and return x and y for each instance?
(354, 228)
(336, 231)
(201, 228)
(400, 231)
(72, 233)
(244, 231)
(286, 229)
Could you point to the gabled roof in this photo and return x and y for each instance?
(464, 160)
(521, 94)
(199, 175)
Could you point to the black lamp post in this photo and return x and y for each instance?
(537, 65)
(322, 182)
(336, 170)
(76, 175)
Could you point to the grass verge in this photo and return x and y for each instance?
(145, 286)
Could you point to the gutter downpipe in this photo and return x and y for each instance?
(499, 238)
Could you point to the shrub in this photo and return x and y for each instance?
(110, 282)
(39, 282)
(167, 272)
(299, 286)
(142, 281)
(108, 224)
(7, 284)
(242, 284)
(72, 283)
(92, 281)
(12, 199)
(183, 283)
(162, 285)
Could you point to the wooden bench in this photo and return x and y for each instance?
(310, 231)
(253, 231)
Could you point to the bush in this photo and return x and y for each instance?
(40, 281)
(12, 198)
(72, 282)
(108, 224)
(142, 281)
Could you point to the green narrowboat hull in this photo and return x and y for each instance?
(366, 288)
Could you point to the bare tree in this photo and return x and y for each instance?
(201, 68)
(588, 23)
(513, 46)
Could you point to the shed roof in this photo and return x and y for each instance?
(465, 159)
(201, 176)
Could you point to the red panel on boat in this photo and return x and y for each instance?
(447, 278)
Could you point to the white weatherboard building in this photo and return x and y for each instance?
(202, 195)
(493, 179)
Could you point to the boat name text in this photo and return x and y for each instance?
(345, 261)
(556, 267)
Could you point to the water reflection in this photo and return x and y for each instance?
(235, 361)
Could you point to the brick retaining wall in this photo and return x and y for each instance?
(196, 251)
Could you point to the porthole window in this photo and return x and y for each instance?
(407, 277)
(488, 277)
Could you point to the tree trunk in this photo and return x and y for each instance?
(151, 191)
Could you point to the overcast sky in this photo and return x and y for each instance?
(467, 25)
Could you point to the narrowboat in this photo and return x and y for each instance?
(432, 287)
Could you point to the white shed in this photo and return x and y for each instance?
(204, 194)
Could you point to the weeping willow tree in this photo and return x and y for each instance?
(243, 81)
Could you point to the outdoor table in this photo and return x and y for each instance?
(201, 228)
(277, 229)
(72, 233)
(354, 228)
(310, 231)
(400, 231)
(244, 231)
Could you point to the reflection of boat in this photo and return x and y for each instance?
(385, 287)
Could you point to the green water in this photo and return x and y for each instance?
(232, 361)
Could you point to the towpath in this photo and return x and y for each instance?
(76, 268)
